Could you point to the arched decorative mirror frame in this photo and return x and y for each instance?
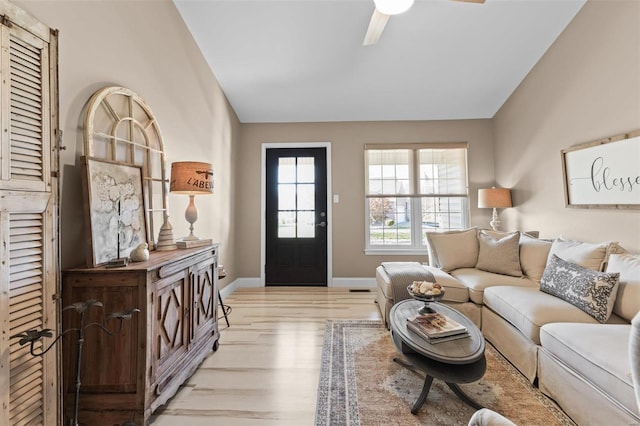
(119, 126)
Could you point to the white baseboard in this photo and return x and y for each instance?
(239, 283)
(349, 282)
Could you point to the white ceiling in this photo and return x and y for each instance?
(303, 61)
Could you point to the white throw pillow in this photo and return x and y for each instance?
(453, 249)
(589, 255)
(591, 291)
(533, 256)
(628, 300)
(499, 254)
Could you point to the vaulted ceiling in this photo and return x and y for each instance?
(304, 61)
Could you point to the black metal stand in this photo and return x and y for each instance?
(226, 309)
(32, 336)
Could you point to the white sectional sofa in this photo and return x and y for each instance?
(558, 310)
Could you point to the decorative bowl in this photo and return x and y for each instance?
(426, 299)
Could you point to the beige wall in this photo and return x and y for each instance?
(144, 46)
(586, 87)
(347, 146)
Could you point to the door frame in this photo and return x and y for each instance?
(263, 204)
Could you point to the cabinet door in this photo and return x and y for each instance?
(205, 299)
(170, 307)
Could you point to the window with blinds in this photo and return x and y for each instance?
(412, 189)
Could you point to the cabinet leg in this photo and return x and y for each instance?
(216, 345)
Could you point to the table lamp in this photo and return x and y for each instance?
(191, 178)
(494, 198)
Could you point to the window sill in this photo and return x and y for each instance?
(395, 252)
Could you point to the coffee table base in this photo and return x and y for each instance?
(428, 381)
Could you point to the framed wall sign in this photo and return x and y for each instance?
(115, 207)
(603, 174)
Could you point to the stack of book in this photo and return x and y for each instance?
(436, 328)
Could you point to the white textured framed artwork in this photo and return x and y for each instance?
(604, 173)
(115, 207)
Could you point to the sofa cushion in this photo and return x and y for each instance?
(589, 255)
(597, 352)
(593, 292)
(477, 281)
(533, 256)
(628, 299)
(453, 249)
(455, 291)
(500, 255)
(528, 309)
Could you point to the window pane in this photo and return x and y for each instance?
(388, 186)
(443, 171)
(442, 214)
(375, 171)
(306, 225)
(390, 169)
(402, 187)
(375, 186)
(389, 221)
(306, 169)
(306, 196)
(402, 171)
(287, 169)
(286, 224)
(286, 196)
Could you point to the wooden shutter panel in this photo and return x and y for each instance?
(26, 110)
(29, 265)
(26, 141)
(26, 313)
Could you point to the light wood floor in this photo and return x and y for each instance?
(267, 368)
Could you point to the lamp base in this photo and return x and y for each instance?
(200, 242)
(495, 222)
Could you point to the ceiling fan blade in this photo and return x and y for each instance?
(470, 1)
(376, 26)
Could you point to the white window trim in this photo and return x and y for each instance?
(417, 248)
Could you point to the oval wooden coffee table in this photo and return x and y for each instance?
(454, 362)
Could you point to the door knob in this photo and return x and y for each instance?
(322, 224)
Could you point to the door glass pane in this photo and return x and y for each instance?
(287, 170)
(306, 196)
(306, 170)
(286, 224)
(306, 225)
(286, 196)
(296, 197)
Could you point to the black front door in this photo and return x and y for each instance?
(296, 216)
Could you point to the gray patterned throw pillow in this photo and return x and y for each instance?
(591, 291)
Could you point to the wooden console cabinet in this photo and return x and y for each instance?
(125, 377)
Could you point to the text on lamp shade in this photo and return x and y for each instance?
(200, 183)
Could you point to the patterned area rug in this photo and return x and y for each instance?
(361, 385)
